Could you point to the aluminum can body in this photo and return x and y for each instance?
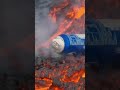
(69, 43)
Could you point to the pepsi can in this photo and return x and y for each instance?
(69, 43)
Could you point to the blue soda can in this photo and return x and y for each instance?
(69, 43)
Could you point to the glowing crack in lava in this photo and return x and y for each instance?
(76, 12)
(73, 78)
(69, 72)
(48, 83)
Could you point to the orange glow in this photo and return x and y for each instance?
(83, 76)
(69, 20)
(58, 8)
(41, 88)
(76, 12)
(75, 77)
(48, 83)
(61, 29)
(56, 88)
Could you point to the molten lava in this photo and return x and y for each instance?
(62, 73)
(58, 8)
(75, 77)
(68, 20)
(76, 12)
(55, 75)
(48, 83)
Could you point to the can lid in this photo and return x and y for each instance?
(58, 44)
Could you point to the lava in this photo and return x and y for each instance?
(75, 77)
(69, 71)
(58, 8)
(68, 20)
(50, 76)
(76, 12)
(48, 83)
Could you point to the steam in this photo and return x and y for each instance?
(44, 27)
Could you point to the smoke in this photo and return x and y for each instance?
(44, 27)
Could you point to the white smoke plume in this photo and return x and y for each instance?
(44, 27)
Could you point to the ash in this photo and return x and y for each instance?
(63, 73)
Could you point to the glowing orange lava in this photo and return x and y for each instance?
(76, 12)
(69, 19)
(58, 8)
(75, 77)
(48, 83)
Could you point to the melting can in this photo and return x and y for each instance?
(69, 43)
